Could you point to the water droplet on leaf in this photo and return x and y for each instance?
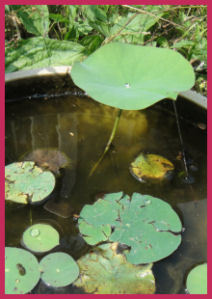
(35, 232)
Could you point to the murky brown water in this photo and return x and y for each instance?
(80, 128)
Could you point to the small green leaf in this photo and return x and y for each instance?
(26, 183)
(94, 13)
(104, 271)
(58, 269)
(196, 282)
(133, 77)
(21, 271)
(58, 18)
(150, 166)
(40, 238)
(91, 43)
(40, 52)
(35, 18)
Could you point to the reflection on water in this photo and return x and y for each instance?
(80, 129)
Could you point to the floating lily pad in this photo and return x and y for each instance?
(148, 225)
(26, 183)
(50, 159)
(58, 269)
(104, 271)
(133, 77)
(21, 271)
(196, 282)
(40, 238)
(151, 167)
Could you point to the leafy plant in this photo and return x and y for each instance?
(104, 271)
(196, 282)
(40, 238)
(35, 18)
(26, 183)
(58, 269)
(148, 225)
(21, 271)
(41, 52)
(150, 166)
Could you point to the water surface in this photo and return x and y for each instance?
(80, 128)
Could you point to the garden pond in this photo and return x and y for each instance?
(52, 122)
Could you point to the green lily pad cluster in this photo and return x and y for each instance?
(147, 225)
(23, 272)
(104, 271)
(27, 183)
(196, 282)
(151, 167)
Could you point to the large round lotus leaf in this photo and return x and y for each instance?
(133, 77)
(148, 225)
(197, 280)
(150, 166)
(104, 271)
(96, 220)
(21, 271)
(26, 183)
(48, 158)
(40, 238)
(58, 269)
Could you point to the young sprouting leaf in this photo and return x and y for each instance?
(133, 77)
(104, 271)
(196, 282)
(58, 269)
(21, 271)
(40, 238)
(26, 183)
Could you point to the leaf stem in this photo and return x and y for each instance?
(110, 140)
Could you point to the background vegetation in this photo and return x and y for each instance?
(50, 35)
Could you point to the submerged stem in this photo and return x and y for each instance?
(181, 140)
(107, 147)
(30, 215)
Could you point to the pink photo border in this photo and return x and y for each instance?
(2, 126)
